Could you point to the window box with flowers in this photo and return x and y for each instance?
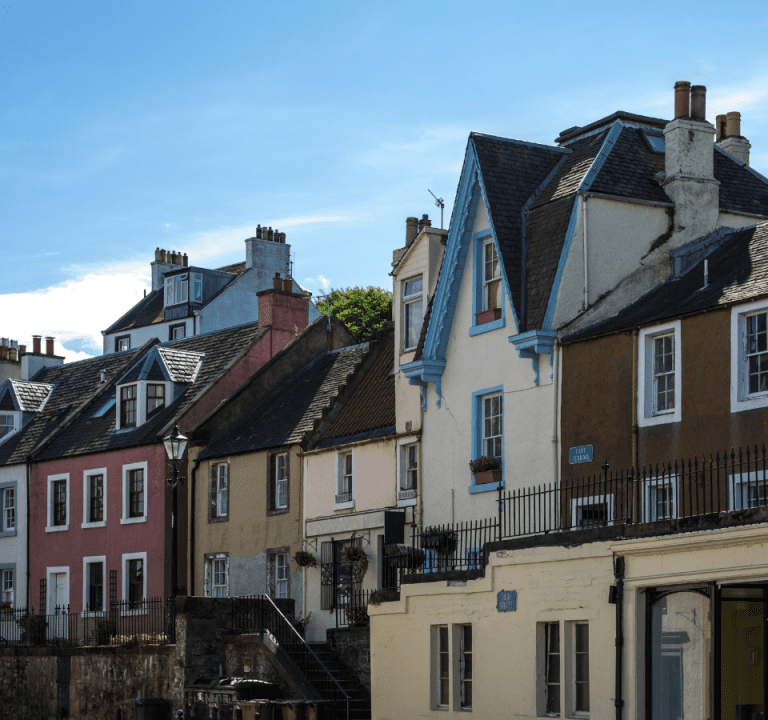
(486, 469)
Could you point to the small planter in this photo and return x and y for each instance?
(487, 316)
(442, 541)
(485, 477)
(304, 559)
(404, 556)
(356, 614)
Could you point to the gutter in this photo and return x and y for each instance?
(29, 477)
(618, 572)
(192, 481)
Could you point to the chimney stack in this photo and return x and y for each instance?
(411, 230)
(731, 139)
(277, 282)
(49, 346)
(36, 344)
(425, 222)
(689, 177)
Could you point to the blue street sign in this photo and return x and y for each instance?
(580, 454)
(506, 601)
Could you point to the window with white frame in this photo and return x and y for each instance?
(177, 332)
(413, 311)
(749, 356)
(278, 499)
(7, 585)
(155, 398)
(660, 498)
(465, 666)
(94, 500)
(58, 503)
(7, 423)
(128, 398)
(123, 343)
(278, 574)
(748, 490)
(493, 424)
(219, 491)
(344, 478)
(441, 683)
(452, 667)
(552, 668)
(219, 577)
(177, 289)
(8, 509)
(409, 471)
(659, 374)
(491, 276)
(134, 493)
(563, 669)
(197, 287)
(135, 579)
(581, 668)
(592, 511)
(94, 574)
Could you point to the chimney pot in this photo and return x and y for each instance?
(699, 102)
(36, 343)
(720, 125)
(49, 346)
(270, 234)
(163, 256)
(288, 285)
(733, 124)
(103, 375)
(411, 230)
(157, 254)
(277, 282)
(682, 99)
(185, 260)
(3, 341)
(258, 232)
(22, 350)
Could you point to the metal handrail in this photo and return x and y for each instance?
(307, 649)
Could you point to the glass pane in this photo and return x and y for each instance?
(553, 698)
(467, 638)
(582, 667)
(680, 652)
(582, 697)
(582, 638)
(553, 631)
(741, 659)
(742, 593)
(443, 663)
(553, 669)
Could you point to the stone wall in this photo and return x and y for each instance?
(353, 648)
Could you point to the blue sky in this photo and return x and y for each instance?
(130, 126)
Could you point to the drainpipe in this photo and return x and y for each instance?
(555, 424)
(633, 420)
(29, 478)
(618, 573)
(586, 276)
(523, 270)
(192, 482)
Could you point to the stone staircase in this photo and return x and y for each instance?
(360, 697)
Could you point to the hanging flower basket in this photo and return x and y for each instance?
(354, 558)
(5, 608)
(404, 556)
(304, 559)
(442, 541)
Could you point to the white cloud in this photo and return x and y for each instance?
(311, 282)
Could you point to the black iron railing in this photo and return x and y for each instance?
(727, 488)
(260, 613)
(352, 607)
(150, 621)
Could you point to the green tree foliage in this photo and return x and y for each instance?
(362, 310)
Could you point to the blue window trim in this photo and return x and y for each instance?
(11, 566)
(478, 260)
(474, 558)
(3, 532)
(477, 439)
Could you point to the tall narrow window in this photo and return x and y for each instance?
(281, 575)
(493, 426)
(757, 352)
(96, 498)
(443, 689)
(552, 668)
(9, 509)
(491, 277)
(155, 398)
(413, 312)
(344, 481)
(410, 470)
(219, 580)
(465, 666)
(197, 287)
(60, 502)
(581, 675)
(6, 424)
(95, 572)
(135, 568)
(7, 585)
(136, 493)
(128, 406)
(664, 373)
(281, 480)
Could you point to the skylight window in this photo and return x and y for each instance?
(655, 142)
(105, 408)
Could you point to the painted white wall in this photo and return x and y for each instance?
(13, 548)
(141, 335)
(475, 363)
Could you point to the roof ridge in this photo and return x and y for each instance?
(515, 141)
(602, 155)
(748, 167)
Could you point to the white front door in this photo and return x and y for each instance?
(58, 600)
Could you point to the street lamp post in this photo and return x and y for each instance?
(175, 447)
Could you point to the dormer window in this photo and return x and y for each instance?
(177, 289)
(7, 423)
(155, 398)
(128, 406)
(491, 276)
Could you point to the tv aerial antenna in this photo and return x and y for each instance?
(439, 202)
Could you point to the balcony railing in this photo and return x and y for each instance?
(725, 489)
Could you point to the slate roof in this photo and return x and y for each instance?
(738, 272)
(73, 384)
(372, 405)
(147, 311)
(291, 411)
(30, 395)
(235, 268)
(88, 434)
(511, 171)
(182, 365)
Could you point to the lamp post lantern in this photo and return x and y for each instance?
(175, 447)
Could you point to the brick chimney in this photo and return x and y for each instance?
(32, 362)
(729, 136)
(411, 230)
(267, 253)
(689, 166)
(165, 261)
(287, 313)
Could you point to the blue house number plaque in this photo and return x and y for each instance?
(580, 454)
(506, 601)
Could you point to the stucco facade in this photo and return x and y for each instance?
(13, 535)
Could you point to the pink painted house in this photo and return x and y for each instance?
(100, 509)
